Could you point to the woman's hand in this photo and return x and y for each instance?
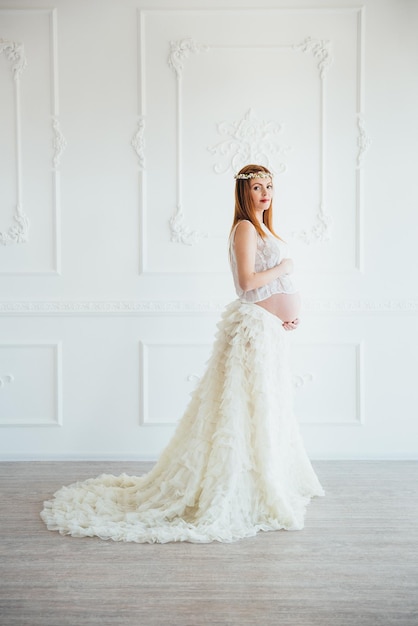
(286, 265)
(291, 325)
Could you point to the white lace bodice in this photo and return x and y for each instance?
(270, 251)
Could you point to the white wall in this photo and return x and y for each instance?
(122, 124)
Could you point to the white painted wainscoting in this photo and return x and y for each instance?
(122, 124)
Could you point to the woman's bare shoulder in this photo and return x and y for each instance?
(245, 235)
(245, 227)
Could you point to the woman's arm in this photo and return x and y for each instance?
(245, 242)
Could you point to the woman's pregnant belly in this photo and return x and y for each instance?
(286, 306)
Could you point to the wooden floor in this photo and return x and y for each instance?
(355, 563)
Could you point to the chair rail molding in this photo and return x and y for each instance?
(185, 307)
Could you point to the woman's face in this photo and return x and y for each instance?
(261, 193)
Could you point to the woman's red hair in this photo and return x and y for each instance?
(244, 208)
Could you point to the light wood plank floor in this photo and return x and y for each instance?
(355, 563)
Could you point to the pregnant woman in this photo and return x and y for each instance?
(260, 271)
(236, 463)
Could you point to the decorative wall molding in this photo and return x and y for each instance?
(180, 50)
(147, 307)
(317, 227)
(319, 231)
(360, 306)
(320, 48)
(193, 378)
(156, 361)
(300, 380)
(248, 140)
(326, 371)
(363, 140)
(36, 384)
(15, 53)
(18, 232)
(240, 146)
(6, 379)
(59, 142)
(181, 233)
(138, 142)
(346, 355)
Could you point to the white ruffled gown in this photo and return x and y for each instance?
(235, 465)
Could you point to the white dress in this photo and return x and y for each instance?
(235, 465)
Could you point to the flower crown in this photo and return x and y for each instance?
(253, 175)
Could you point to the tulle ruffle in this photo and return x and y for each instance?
(235, 465)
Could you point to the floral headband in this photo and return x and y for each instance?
(253, 175)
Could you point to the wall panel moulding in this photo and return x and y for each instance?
(32, 143)
(313, 63)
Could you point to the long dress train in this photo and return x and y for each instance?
(235, 465)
